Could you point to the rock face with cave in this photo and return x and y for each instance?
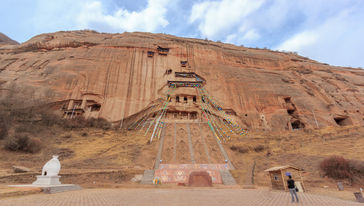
(121, 77)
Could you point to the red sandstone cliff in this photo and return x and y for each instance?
(111, 76)
(6, 40)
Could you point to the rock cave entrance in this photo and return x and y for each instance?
(287, 99)
(297, 124)
(343, 121)
(169, 71)
(290, 111)
(162, 51)
(183, 63)
(95, 107)
(150, 53)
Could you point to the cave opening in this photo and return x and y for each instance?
(290, 111)
(177, 98)
(150, 53)
(95, 107)
(169, 71)
(297, 124)
(342, 121)
(194, 99)
(287, 99)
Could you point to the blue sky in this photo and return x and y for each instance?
(330, 31)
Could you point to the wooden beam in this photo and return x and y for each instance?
(284, 181)
(303, 185)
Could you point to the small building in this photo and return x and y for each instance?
(162, 51)
(183, 63)
(279, 176)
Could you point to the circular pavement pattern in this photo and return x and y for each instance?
(171, 197)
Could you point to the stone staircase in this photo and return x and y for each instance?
(192, 154)
(227, 178)
(148, 177)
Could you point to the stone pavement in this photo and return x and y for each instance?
(172, 197)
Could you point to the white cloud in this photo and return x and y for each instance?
(231, 38)
(323, 30)
(149, 19)
(251, 35)
(216, 18)
(299, 41)
(337, 41)
(242, 36)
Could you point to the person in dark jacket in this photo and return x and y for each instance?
(292, 188)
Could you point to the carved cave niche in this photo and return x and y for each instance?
(287, 100)
(95, 107)
(297, 124)
(343, 121)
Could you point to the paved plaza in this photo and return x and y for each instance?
(171, 197)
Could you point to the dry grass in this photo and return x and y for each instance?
(304, 149)
(102, 150)
(111, 149)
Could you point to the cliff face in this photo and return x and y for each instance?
(112, 76)
(6, 40)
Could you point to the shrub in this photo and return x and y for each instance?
(49, 119)
(98, 123)
(22, 142)
(336, 167)
(34, 145)
(24, 128)
(258, 148)
(357, 167)
(240, 149)
(3, 128)
(77, 122)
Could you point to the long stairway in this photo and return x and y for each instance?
(190, 143)
(227, 178)
(148, 177)
(188, 147)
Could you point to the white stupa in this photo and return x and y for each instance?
(49, 180)
(50, 173)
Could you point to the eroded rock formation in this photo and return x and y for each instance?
(123, 76)
(6, 40)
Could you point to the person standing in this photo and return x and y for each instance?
(292, 188)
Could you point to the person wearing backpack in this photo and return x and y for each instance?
(292, 188)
